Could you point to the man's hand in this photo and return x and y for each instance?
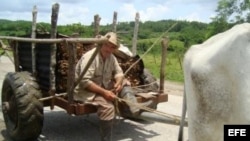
(117, 87)
(109, 95)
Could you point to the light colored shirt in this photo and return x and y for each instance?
(100, 72)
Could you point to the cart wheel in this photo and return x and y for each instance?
(22, 110)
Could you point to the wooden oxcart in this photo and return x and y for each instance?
(43, 79)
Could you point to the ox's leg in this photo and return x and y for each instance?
(183, 116)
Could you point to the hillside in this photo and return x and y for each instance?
(181, 34)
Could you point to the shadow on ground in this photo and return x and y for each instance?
(59, 126)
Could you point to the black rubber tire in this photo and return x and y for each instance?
(22, 110)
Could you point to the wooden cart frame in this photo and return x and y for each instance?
(50, 96)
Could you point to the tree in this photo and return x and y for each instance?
(234, 11)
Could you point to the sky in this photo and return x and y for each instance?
(83, 11)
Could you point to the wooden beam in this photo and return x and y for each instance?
(71, 71)
(33, 36)
(164, 44)
(58, 40)
(97, 20)
(136, 28)
(114, 21)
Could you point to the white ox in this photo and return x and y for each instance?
(217, 83)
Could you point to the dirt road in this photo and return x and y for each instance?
(59, 126)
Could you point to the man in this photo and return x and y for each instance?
(102, 81)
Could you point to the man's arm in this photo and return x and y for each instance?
(109, 95)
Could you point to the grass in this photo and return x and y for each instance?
(173, 69)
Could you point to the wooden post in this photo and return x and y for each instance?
(53, 34)
(97, 20)
(114, 22)
(71, 71)
(136, 28)
(33, 35)
(164, 44)
(16, 56)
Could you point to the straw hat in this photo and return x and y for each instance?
(112, 38)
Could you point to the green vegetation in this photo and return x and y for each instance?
(181, 36)
(172, 67)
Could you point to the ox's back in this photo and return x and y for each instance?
(217, 83)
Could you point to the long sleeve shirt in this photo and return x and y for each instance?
(100, 72)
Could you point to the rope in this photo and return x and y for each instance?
(134, 104)
(149, 48)
(125, 73)
(117, 111)
(145, 85)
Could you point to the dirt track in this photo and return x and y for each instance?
(59, 126)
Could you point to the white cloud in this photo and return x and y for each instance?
(127, 12)
(192, 17)
(154, 13)
(69, 13)
(83, 11)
